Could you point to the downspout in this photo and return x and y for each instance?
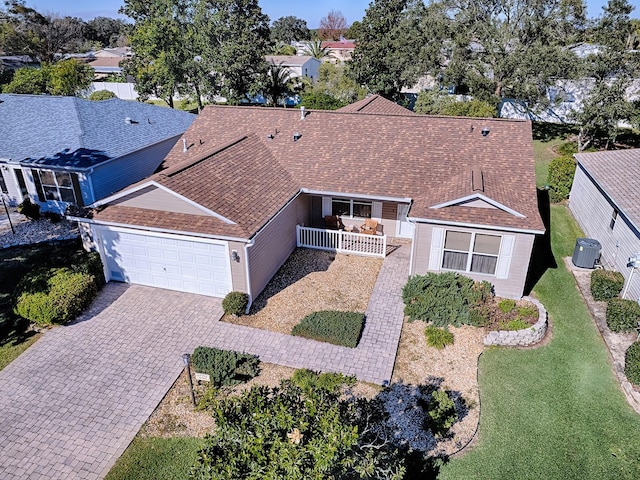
(413, 244)
(248, 273)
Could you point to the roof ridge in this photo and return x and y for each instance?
(202, 157)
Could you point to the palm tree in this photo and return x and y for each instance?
(278, 83)
(316, 50)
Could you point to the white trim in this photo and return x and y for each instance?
(505, 254)
(247, 271)
(470, 253)
(171, 236)
(159, 230)
(326, 193)
(437, 248)
(478, 196)
(475, 225)
(153, 183)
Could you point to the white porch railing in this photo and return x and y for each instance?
(341, 241)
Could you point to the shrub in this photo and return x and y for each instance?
(480, 316)
(53, 217)
(444, 298)
(506, 305)
(99, 95)
(235, 303)
(529, 311)
(29, 209)
(441, 415)
(438, 337)
(515, 324)
(339, 328)
(632, 363)
(308, 380)
(92, 265)
(606, 284)
(225, 367)
(622, 315)
(561, 172)
(54, 296)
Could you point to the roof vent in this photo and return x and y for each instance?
(129, 121)
(302, 113)
(297, 136)
(271, 136)
(485, 131)
(477, 180)
(184, 145)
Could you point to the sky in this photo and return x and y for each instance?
(311, 11)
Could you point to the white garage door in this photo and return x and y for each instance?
(175, 263)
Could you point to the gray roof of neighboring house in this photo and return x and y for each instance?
(75, 133)
(615, 172)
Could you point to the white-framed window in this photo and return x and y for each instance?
(351, 208)
(57, 186)
(471, 252)
(614, 217)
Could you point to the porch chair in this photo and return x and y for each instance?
(370, 227)
(333, 222)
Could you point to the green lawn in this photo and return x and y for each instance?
(15, 337)
(544, 154)
(156, 459)
(553, 412)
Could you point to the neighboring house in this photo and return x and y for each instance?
(224, 213)
(13, 62)
(117, 52)
(605, 200)
(376, 104)
(298, 65)
(340, 51)
(64, 150)
(104, 66)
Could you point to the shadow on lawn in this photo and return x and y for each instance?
(542, 254)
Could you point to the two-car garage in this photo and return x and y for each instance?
(186, 264)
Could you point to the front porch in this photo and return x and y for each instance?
(342, 241)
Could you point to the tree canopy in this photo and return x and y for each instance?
(290, 29)
(67, 77)
(332, 26)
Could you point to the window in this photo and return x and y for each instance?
(614, 217)
(3, 185)
(351, 208)
(471, 252)
(57, 186)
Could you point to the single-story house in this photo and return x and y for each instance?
(339, 51)
(249, 184)
(104, 66)
(298, 65)
(376, 104)
(605, 200)
(65, 150)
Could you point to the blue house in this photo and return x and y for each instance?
(58, 151)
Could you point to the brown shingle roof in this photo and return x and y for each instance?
(616, 173)
(426, 158)
(376, 104)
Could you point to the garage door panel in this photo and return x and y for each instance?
(177, 264)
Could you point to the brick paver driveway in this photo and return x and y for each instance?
(71, 404)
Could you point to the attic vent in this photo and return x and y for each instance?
(297, 136)
(477, 180)
(129, 121)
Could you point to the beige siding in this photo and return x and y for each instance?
(593, 212)
(275, 242)
(238, 269)
(154, 198)
(512, 286)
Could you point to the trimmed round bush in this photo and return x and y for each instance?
(438, 337)
(606, 284)
(235, 303)
(225, 367)
(632, 363)
(99, 95)
(622, 315)
(54, 296)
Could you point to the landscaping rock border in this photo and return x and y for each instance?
(521, 338)
(34, 232)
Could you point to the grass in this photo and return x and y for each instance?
(156, 458)
(554, 412)
(15, 336)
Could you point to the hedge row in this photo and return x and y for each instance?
(339, 328)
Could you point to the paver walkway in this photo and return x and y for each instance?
(72, 403)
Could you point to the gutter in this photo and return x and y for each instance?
(158, 230)
(248, 245)
(356, 195)
(475, 225)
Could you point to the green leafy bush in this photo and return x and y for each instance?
(529, 311)
(444, 298)
(632, 363)
(441, 414)
(29, 209)
(308, 380)
(339, 328)
(54, 296)
(515, 324)
(225, 367)
(606, 284)
(100, 95)
(294, 433)
(622, 315)
(235, 303)
(561, 172)
(506, 305)
(438, 337)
